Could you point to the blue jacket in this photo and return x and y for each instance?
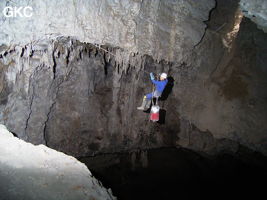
(160, 85)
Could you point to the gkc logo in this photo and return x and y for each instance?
(17, 11)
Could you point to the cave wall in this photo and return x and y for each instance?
(162, 29)
(79, 99)
(257, 11)
(224, 93)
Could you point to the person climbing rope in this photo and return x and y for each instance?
(160, 85)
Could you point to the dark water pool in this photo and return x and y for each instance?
(171, 173)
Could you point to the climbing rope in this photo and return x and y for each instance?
(99, 47)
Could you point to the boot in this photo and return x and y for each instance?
(144, 105)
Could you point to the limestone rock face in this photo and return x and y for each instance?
(38, 172)
(80, 99)
(76, 98)
(257, 11)
(161, 29)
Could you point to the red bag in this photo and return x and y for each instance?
(154, 114)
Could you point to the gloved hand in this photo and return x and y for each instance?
(152, 76)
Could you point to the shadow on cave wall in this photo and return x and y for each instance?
(168, 89)
(164, 97)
